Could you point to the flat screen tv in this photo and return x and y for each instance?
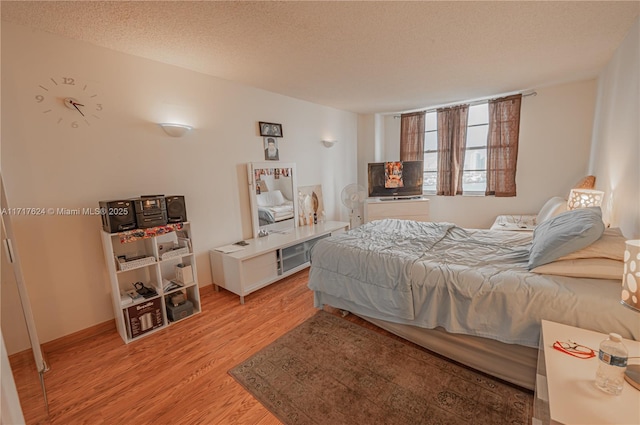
(399, 179)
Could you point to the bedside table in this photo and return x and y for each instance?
(515, 222)
(566, 392)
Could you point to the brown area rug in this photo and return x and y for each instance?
(331, 371)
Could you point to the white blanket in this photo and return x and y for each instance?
(467, 281)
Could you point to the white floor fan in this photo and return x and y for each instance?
(353, 196)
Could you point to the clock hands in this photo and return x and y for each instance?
(73, 103)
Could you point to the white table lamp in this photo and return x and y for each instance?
(631, 296)
(583, 198)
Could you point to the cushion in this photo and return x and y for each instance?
(594, 268)
(610, 245)
(565, 233)
(588, 182)
(551, 208)
(270, 199)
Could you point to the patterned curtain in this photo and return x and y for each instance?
(452, 142)
(412, 137)
(502, 145)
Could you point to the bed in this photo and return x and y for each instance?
(472, 295)
(273, 207)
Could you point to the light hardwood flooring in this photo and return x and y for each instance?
(175, 376)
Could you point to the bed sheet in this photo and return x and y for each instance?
(467, 281)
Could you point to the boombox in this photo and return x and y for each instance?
(151, 211)
(117, 216)
(141, 213)
(176, 209)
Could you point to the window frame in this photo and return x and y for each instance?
(484, 147)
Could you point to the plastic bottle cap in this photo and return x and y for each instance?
(615, 337)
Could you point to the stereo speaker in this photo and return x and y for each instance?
(176, 209)
(117, 216)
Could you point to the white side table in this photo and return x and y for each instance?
(515, 222)
(565, 385)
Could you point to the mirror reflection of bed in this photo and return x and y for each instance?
(274, 208)
(271, 190)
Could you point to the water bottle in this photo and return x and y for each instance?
(612, 365)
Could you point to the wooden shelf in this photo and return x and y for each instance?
(146, 242)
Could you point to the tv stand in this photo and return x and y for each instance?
(266, 260)
(405, 208)
(397, 198)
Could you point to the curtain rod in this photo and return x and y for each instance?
(472, 103)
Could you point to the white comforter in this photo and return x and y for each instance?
(467, 281)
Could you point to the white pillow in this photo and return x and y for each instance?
(270, 199)
(551, 208)
(277, 197)
(593, 268)
(610, 245)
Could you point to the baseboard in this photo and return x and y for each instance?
(21, 357)
(56, 344)
(26, 356)
(108, 326)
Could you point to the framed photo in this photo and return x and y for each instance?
(269, 129)
(271, 152)
(310, 204)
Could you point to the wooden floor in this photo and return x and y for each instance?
(175, 376)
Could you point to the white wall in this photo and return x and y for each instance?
(367, 146)
(392, 127)
(125, 154)
(615, 158)
(553, 155)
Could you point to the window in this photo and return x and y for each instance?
(474, 175)
(430, 152)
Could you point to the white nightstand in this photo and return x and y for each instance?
(565, 385)
(515, 222)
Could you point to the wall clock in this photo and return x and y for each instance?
(69, 102)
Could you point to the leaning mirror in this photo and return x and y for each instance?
(271, 193)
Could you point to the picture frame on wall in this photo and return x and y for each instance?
(269, 129)
(271, 152)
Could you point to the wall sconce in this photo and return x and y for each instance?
(175, 130)
(584, 198)
(329, 143)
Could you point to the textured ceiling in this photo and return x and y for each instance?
(358, 56)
